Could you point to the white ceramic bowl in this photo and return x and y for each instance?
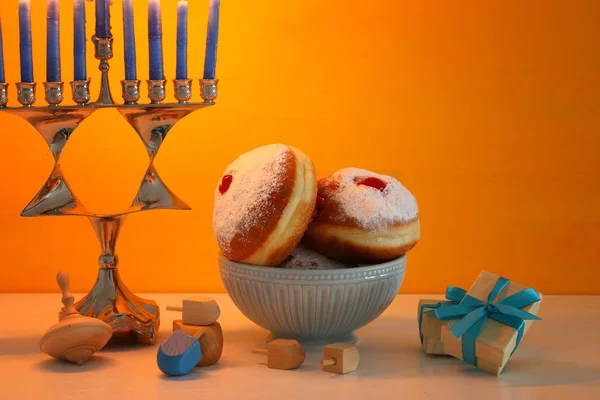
(315, 307)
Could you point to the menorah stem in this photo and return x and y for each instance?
(110, 300)
(107, 231)
(105, 97)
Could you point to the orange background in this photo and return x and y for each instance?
(487, 111)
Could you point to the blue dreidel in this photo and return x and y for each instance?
(180, 353)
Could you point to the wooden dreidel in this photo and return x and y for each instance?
(180, 353)
(211, 342)
(283, 354)
(340, 358)
(198, 310)
(75, 337)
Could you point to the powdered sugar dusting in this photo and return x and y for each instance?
(368, 207)
(303, 258)
(246, 204)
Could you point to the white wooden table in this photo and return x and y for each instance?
(559, 358)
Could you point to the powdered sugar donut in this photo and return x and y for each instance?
(303, 258)
(363, 217)
(263, 204)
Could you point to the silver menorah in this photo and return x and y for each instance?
(109, 300)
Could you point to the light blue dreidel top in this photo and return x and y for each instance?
(180, 353)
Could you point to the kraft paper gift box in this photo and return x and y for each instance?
(496, 341)
(430, 328)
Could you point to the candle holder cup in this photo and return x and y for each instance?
(26, 93)
(3, 94)
(157, 90)
(209, 90)
(183, 90)
(81, 92)
(103, 49)
(131, 91)
(54, 93)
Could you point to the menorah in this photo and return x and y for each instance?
(109, 300)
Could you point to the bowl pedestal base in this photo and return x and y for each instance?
(317, 344)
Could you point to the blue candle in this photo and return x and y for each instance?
(182, 38)
(52, 41)
(25, 46)
(2, 77)
(129, 39)
(155, 40)
(79, 50)
(212, 38)
(103, 19)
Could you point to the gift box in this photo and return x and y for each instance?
(489, 323)
(430, 328)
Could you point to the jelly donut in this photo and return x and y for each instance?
(363, 218)
(263, 204)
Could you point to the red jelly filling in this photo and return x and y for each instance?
(375, 183)
(225, 183)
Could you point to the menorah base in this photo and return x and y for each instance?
(130, 316)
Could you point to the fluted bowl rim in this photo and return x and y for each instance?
(391, 267)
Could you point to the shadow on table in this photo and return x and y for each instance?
(194, 375)
(539, 372)
(19, 345)
(95, 363)
(519, 372)
(247, 338)
(126, 345)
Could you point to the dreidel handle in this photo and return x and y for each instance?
(330, 361)
(264, 352)
(199, 334)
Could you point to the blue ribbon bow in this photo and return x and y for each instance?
(453, 294)
(473, 312)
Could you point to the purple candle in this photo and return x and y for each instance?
(79, 50)
(2, 77)
(52, 41)
(103, 19)
(25, 45)
(182, 39)
(129, 41)
(212, 38)
(155, 40)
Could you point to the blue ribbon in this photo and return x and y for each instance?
(453, 294)
(473, 312)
